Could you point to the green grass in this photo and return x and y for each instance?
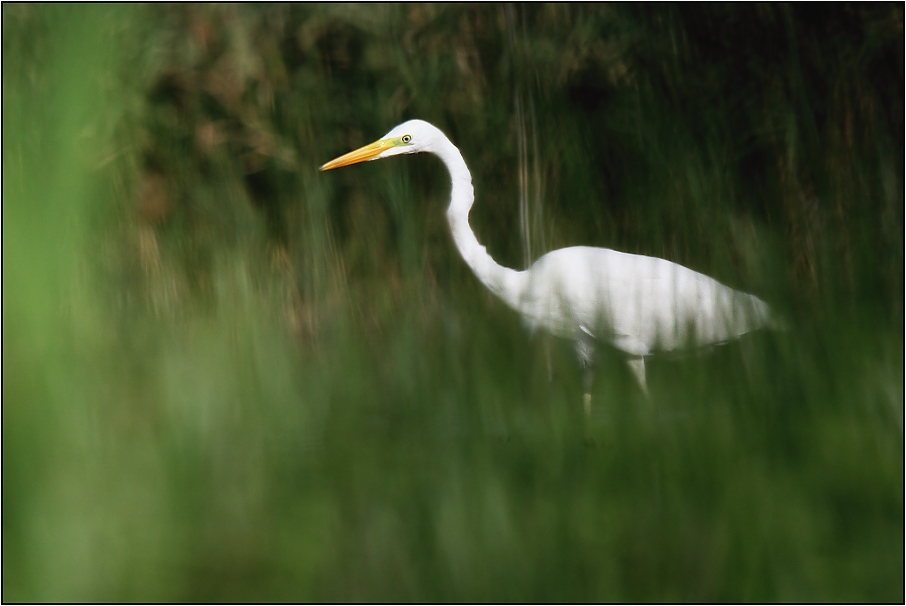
(257, 382)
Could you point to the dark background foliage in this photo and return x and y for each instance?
(227, 376)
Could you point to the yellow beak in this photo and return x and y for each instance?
(368, 152)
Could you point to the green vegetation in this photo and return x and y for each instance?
(229, 377)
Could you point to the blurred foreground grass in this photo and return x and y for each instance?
(227, 377)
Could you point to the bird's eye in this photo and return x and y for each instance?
(406, 138)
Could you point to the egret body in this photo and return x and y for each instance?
(638, 304)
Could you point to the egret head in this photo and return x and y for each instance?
(409, 137)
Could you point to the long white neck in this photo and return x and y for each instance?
(504, 282)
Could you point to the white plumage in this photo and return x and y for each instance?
(638, 304)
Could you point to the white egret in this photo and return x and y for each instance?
(638, 304)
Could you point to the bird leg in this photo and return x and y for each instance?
(637, 366)
(585, 348)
